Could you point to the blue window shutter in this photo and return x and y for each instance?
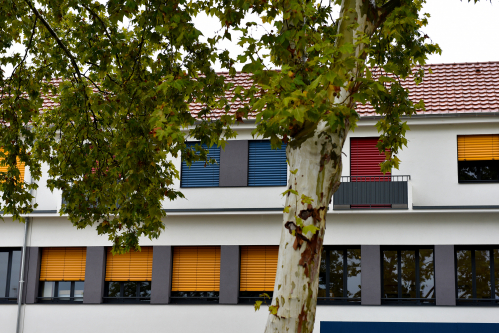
(266, 167)
(199, 175)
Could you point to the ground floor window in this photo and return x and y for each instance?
(127, 292)
(408, 275)
(477, 275)
(61, 291)
(339, 278)
(10, 267)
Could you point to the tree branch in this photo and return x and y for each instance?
(386, 10)
(57, 39)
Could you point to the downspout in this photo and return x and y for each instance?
(21, 280)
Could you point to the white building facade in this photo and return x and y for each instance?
(418, 248)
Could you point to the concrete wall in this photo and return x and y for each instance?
(43, 318)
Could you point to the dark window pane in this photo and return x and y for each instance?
(464, 274)
(336, 273)
(15, 273)
(4, 262)
(408, 273)
(468, 171)
(390, 274)
(79, 287)
(130, 289)
(489, 171)
(322, 275)
(426, 274)
(353, 269)
(496, 272)
(64, 290)
(482, 268)
(145, 289)
(114, 289)
(47, 289)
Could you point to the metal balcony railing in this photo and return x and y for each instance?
(372, 192)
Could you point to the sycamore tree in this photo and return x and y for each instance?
(123, 74)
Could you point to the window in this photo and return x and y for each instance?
(10, 269)
(266, 166)
(128, 276)
(477, 276)
(339, 277)
(478, 158)
(258, 270)
(20, 166)
(196, 274)
(62, 274)
(200, 174)
(408, 276)
(365, 160)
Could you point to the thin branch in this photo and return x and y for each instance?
(57, 39)
(27, 48)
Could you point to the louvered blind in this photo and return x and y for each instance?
(478, 147)
(132, 266)
(20, 165)
(365, 159)
(199, 174)
(196, 268)
(63, 264)
(258, 268)
(266, 166)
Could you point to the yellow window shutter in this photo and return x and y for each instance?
(63, 264)
(478, 147)
(258, 268)
(196, 268)
(131, 266)
(20, 165)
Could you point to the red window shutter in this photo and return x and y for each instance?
(365, 160)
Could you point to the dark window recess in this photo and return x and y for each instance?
(266, 166)
(200, 174)
(127, 292)
(408, 276)
(61, 291)
(477, 276)
(478, 171)
(194, 297)
(339, 277)
(249, 297)
(10, 268)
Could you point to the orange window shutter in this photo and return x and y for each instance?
(63, 264)
(20, 165)
(131, 266)
(196, 268)
(478, 147)
(258, 268)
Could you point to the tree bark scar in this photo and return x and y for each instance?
(311, 211)
(290, 187)
(302, 319)
(307, 257)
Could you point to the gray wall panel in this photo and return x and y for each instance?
(229, 274)
(371, 275)
(33, 274)
(234, 164)
(445, 278)
(161, 274)
(95, 272)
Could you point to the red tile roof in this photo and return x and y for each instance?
(450, 89)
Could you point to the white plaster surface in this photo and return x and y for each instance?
(41, 318)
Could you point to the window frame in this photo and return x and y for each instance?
(400, 300)
(126, 300)
(344, 300)
(474, 301)
(9, 250)
(59, 299)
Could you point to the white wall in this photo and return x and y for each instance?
(41, 318)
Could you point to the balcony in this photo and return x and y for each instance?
(372, 192)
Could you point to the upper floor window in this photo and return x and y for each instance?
(196, 274)
(477, 275)
(478, 158)
(10, 268)
(266, 166)
(258, 270)
(128, 276)
(408, 275)
(339, 277)
(200, 174)
(62, 274)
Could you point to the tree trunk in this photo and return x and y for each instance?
(314, 158)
